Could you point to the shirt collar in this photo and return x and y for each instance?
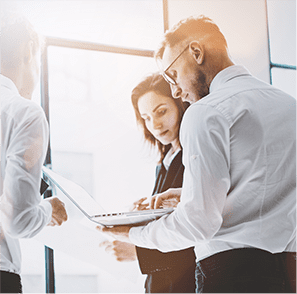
(227, 74)
(169, 158)
(8, 83)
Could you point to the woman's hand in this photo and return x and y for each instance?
(167, 199)
(122, 251)
(139, 205)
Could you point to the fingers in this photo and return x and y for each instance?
(139, 205)
(157, 201)
(170, 203)
(140, 200)
(117, 232)
(122, 251)
(55, 222)
(107, 245)
(59, 214)
(105, 230)
(102, 229)
(51, 223)
(104, 243)
(167, 199)
(109, 248)
(142, 206)
(152, 202)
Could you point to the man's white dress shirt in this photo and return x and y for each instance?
(239, 184)
(24, 141)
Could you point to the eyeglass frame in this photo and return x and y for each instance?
(165, 75)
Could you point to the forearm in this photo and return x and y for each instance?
(179, 230)
(198, 216)
(26, 223)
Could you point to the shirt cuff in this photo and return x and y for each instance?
(135, 235)
(47, 209)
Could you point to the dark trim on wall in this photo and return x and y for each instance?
(285, 66)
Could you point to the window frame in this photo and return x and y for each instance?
(273, 64)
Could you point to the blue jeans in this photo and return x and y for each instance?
(247, 270)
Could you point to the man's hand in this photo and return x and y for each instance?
(167, 199)
(59, 214)
(123, 252)
(120, 233)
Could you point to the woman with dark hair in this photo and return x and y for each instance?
(155, 84)
(159, 116)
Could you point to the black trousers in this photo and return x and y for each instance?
(247, 270)
(174, 280)
(10, 283)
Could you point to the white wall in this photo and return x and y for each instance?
(243, 22)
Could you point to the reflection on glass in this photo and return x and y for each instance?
(129, 23)
(33, 265)
(94, 138)
(282, 31)
(284, 79)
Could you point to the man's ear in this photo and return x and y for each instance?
(28, 52)
(197, 51)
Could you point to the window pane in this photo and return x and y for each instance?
(96, 143)
(282, 31)
(129, 23)
(284, 79)
(33, 266)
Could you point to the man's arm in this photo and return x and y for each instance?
(24, 214)
(198, 216)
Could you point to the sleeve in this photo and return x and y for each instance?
(206, 157)
(23, 212)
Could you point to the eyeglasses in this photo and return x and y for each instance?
(167, 76)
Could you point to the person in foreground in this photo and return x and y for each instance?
(24, 141)
(159, 116)
(238, 203)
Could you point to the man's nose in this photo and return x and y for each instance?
(176, 91)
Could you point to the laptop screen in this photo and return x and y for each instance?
(78, 195)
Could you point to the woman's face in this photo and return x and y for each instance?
(161, 117)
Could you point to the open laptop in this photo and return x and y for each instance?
(93, 211)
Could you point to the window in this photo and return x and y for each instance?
(94, 138)
(90, 106)
(282, 40)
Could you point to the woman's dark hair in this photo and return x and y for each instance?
(154, 83)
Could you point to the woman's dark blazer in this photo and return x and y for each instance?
(154, 261)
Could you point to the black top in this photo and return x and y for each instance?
(152, 260)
